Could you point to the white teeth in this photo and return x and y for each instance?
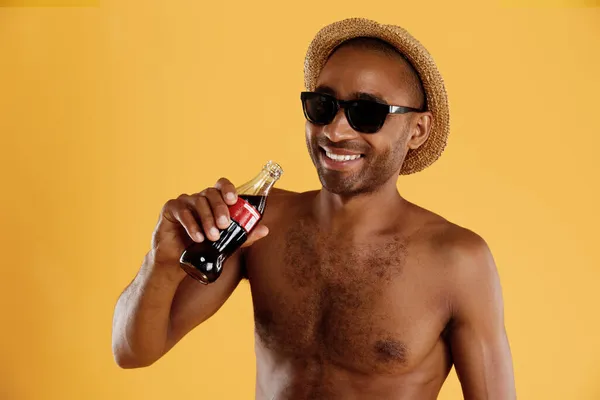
(337, 157)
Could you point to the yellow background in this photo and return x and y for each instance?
(107, 112)
(49, 3)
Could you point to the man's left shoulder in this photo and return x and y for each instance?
(463, 261)
(457, 247)
(467, 258)
(463, 243)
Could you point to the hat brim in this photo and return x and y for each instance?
(333, 35)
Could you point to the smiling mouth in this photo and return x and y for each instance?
(340, 157)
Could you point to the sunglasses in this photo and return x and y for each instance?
(365, 116)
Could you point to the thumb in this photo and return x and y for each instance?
(258, 233)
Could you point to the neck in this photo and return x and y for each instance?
(372, 211)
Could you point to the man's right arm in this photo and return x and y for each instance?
(155, 312)
(162, 304)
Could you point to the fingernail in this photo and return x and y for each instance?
(214, 232)
(230, 196)
(199, 237)
(223, 221)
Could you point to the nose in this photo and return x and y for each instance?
(339, 129)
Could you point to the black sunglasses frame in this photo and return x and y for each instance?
(347, 105)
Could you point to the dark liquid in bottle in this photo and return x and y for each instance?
(258, 202)
(204, 261)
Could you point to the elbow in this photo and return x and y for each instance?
(126, 362)
(129, 360)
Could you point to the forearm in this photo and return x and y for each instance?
(142, 316)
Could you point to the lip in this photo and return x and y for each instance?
(339, 165)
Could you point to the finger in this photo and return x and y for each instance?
(185, 216)
(204, 211)
(167, 211)
(219, 208)
(227, 190)
(258, 233)
(172, 213)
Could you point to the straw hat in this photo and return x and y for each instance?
(331, 36)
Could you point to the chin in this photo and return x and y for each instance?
(341, 185)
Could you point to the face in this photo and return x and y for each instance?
(375, 159)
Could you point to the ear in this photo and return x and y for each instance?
(419, 132)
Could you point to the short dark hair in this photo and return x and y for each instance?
(381, 46)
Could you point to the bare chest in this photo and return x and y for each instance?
(363, 305)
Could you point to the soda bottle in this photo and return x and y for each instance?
(204, 261)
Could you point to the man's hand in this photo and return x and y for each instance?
(195, 218)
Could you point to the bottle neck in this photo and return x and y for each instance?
(259, 185)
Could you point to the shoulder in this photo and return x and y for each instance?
(281, 198)
(470, 271)
(463, 255)
(279, 195)
(454, 244)
(461, 246)
(282, 203)
(463, 252)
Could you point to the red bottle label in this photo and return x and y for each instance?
(244, 214)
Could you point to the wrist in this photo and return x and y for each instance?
(170, 274)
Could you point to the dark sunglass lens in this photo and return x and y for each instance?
(367, 116)
(319, 109)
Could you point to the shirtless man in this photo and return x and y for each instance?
(357, 293)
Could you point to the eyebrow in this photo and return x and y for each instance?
(354, 95)
(325, 89)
